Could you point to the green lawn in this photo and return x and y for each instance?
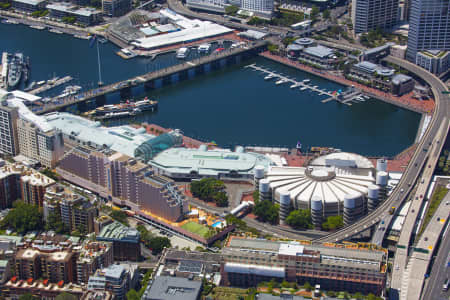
(196, 228)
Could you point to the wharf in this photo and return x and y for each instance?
(161, 77)
(49, 86)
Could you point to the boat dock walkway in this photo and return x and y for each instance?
(295, 84)
(50, 85)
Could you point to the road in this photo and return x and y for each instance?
(439, 272)
(411, 173)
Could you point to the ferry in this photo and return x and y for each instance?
(182, 52)
(204, 48)
(122, 114)
(142, 105)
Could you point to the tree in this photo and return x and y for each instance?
(66, 296)
(299, 219)
(132, 295)
(231, 9)
(266, 211)
(27, 296)
(51, 174)
(314, 12)
(333, 222)
(119, 216)
(326, 14)
(307, 286)
(210, 189)
(55, 223)
(371, 297)
(158, 243)
(23, 217)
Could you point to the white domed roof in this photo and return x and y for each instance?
(329, 184)
(343, 159)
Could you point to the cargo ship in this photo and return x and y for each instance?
(123, 109)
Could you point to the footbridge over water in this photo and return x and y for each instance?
(160, 78)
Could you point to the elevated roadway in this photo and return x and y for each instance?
(396, 199)
(414, 277)
(410, 222)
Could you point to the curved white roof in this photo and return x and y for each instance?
(328, 183)
(343, 159)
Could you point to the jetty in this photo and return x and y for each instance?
(50, 85)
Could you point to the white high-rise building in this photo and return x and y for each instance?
(47, 147)
(429, 27)
(264, 7)
(368, 15)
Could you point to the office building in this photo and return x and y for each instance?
(369, 15)
(402, 84)
(125, 181)
(116, 8)
(117, 279)
(246, 262)
(47, 147)
(33, 186)
(173, 288)
(434, 61)
(29, 6)
(259, 7)
(429, 27)
(86, 16)
(125, 241)
(93, 256)
(318, 56)
(9, 143)
(76, 212)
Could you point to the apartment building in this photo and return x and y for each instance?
(246, 262)
(125, 241)
(368, 15)
(40, 289)
(47, 147)
(9, 183)
(123, 180)
(33, 186)
(117, 279)
(9, 143)
(429, 27)
(93, 256)
(76, 212)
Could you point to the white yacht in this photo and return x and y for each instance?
(182, 52)
(204, 48)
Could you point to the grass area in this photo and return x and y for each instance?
(438, 195)
(224, 293)
(196, 228)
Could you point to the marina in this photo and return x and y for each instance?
(345, 97)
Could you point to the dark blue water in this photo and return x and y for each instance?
(231, 106)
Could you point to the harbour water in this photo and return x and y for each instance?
(231, 106)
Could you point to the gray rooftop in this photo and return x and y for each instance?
(283, 297)
(118, 232)
(114, 271)
(366, 66)
(319, 51)
(173, 288)
(400, 78)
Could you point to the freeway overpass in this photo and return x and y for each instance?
(417, 162)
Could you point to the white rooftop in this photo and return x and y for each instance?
(123, 139)
(291, 249)
(31, 2)
(19, 99)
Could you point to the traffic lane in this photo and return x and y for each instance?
(439, 273)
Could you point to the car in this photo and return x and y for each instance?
(402, 190)
(382, 222)
(445, 286)
(219, 49)
(423, 180)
